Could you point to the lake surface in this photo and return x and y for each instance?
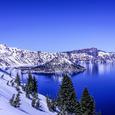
(98, 78)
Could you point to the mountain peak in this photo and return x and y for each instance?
(16, 57)
(3, 45)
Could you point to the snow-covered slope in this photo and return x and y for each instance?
(6, 93)
(17, 57)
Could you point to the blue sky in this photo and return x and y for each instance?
(58, 25)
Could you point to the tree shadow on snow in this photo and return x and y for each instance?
(24, 111)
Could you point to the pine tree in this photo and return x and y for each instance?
(15, 100)
(12, 100)
(17, 80)
(35, 87)
(12, 84)
(7, 82)
(48, 102)
(27, 94)
(29, 85)
(51, 104)
(35, 95)
(35, 103)
(2, 76)
(67, 97)
(18, 88)
(78, 109)
(64, 112)
(87, 103)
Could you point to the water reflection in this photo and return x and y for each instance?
(98, 69)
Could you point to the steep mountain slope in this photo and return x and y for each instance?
(6, 93)
(17, 57)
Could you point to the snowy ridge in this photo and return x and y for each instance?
(17, 57)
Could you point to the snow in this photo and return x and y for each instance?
(14, 57)
(6, 93)
(101, 54)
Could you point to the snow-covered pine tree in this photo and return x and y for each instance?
(51, 104)
(12, 100)
(17, 80)
(7, 82)
(35, 103)
(15, 100)
(35, 87)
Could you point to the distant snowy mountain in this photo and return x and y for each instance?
(17, 57)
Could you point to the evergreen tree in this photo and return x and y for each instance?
(48, 102)
(17, 80)
(2, 76)
(31, 90)
(12, 100)
(78, 109)
(87, 103)
(29, 85)
(27, 94)
(35, 95)
(35, 87)
(35, 103)
(12, 84)
(18, 88)
(51, 104)
(64, 112)
(67, 97)
(7, 82)
(15, 100)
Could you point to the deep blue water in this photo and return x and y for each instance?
(99, 79)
